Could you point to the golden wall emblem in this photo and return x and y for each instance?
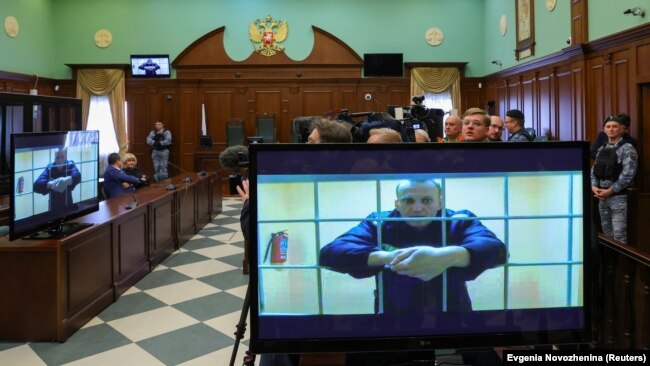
(267, 34)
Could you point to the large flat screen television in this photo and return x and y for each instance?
(150, 66)
(348, 250)
(383, 64)
(55, 179)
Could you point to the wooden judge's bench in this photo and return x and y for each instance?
(51, 288)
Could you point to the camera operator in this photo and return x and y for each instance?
(234, 159)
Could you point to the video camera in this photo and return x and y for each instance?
(417, 116)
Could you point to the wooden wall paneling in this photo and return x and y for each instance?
(470, 94)
(316, 101)
(643, 135)
(139, 126)
(546, 105)
(347, 98)
(579, 22)
(490, 94)
(167, 107)
(267, 102)
(470, 99)
(188, 130)
(642, 55)
(513, 93)
(622, 92)
(529, 101)
(502, 99)
(596, 96)
(565, 105)
(286, 127)
(396, 95)
(579, 101)
(219, 108)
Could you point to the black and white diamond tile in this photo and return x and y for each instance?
(182, 313)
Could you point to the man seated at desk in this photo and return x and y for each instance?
(116, 182)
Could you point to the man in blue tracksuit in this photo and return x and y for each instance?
(411, 254)
(58, 179)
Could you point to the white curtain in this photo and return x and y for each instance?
(440, 100)
(100, 118)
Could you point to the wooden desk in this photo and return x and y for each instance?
(207, 159)
(51, 288)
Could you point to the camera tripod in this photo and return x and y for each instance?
(249, 359)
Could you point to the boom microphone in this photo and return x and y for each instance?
(234, 157)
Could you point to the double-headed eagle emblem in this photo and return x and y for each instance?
(266, 41)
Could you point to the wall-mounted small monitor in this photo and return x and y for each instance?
(150, 66)
(383, 64)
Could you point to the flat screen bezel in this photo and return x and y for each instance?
(59, 217)
(145, 57)
(415, 343)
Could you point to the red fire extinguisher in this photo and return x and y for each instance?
(278, 245)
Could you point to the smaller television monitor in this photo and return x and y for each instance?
(150, 66)
(383, 64)
(54, 179)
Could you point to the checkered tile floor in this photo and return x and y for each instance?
(182, 313)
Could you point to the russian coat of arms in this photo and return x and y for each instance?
(267, 34)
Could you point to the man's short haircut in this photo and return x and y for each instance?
(423, 133)
(113, 157)
(386, 135)
(414, 181)
(516, 115)
(486, 117)
(331, 131)
(128, 157)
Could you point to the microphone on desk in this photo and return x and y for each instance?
(133, 203)
(186, 179)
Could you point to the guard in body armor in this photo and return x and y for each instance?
(160, 141)
(614, 171)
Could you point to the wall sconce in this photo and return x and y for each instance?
(636, 11)
(497, 62)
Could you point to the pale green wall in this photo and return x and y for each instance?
(365, 25)
(606, 17)
(32, 50)
(551, 32)
(56, 32)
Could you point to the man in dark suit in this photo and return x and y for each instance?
(116, 182)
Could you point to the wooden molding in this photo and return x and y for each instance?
(206, 58)
(459, 65)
